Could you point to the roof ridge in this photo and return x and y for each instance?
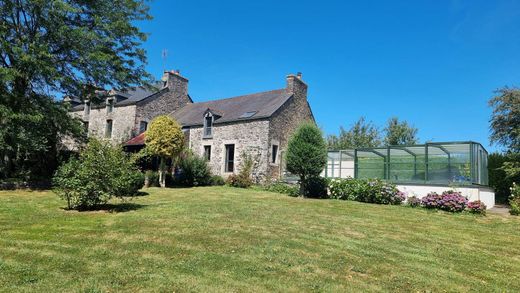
(235, 97)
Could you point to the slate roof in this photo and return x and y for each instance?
(264, 104)
(128, 97)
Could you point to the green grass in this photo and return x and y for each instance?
(225, 239)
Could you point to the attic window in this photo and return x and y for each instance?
(248, 114)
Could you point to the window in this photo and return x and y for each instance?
(274, 154)
(108, 129)
(208, 125)
(207, 152)
(248, 114)
(143, 126)
(110, 105)
(230, 158)
(87, 108)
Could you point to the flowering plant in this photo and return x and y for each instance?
(514, 200)
(413, 201)
(450, 201)
(476, 207)
(366, 190)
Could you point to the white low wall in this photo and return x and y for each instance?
(482, 193)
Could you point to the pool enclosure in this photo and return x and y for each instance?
(446, 163)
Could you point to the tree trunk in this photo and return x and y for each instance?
(302, 186)
(162, 173)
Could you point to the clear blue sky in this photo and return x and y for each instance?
(433, 63)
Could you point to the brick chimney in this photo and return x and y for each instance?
(296, 85)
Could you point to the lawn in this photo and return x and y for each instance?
(225, 239)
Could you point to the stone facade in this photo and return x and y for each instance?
(249, 137)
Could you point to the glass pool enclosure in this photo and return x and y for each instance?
(462, 163)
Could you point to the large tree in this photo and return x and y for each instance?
(399, 133)
(505, 127)
(56, 48)
(361, 134)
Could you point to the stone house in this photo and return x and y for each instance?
(222, 131)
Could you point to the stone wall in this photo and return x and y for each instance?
(286, 120)
(169, 99)
(122, 122)
(247, 136)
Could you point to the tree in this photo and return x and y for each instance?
(306, 154)
(505, 119)
(164, 138)
(101, 172)
(60, 48)
(399, 133)
(361, 134)
(505, 127)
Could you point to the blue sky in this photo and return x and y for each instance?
(432, 63)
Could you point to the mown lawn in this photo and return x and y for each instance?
(224, 239)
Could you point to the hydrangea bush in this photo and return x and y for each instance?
(476, 207)
(413, 201)
(514, 200)
(366, 190)
(450, 201)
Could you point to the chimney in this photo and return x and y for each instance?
(175, 82)
(295, 84)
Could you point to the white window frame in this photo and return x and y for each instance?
(205, 128)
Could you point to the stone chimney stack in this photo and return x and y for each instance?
(177, 86)
(296, 85)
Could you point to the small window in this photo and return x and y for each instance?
(274, 154)
(143, 126)
(110, 105)
(207, 152)
(230, 158)
(208, 126)
(248, 114)
(87, 108)
(108, 129)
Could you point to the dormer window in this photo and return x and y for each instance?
(110, 105)
(208, 125)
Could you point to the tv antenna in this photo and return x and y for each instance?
(164, 55)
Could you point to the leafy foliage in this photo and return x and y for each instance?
(505, 119)
(361, 134)
(61, 47)
(194, 171)
(316, 187)
(282, 187)
(243, 178)
(499, 179)
(514, 200)
(366, 190)
(306, 154)
(476, 207)
(400, 133)
(217, 180)
(101, 172)
(164, 138)
(413, 201)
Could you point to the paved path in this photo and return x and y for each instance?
(500, 209)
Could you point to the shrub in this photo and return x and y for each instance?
(450, 201)
(193, 171)
(236, 180)
(153, 178)
(477, 207)
(316, 187)
(217, 180)
(284, 188)
(514, 200)
(101, 172)
(306, 154)
(366, 190)
(413, 201)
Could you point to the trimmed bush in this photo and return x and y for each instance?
(217, 180)
(236, 180)
(316, 187)
(476, 207)
(193, 171)
(101, 172)
(413, 201)
(450, 201)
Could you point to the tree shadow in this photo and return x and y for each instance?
(111, 208)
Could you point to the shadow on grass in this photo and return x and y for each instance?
(111, 208)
